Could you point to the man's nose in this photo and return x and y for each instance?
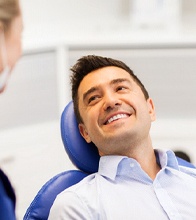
(111, 101)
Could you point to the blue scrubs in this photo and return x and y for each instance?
(7, 198)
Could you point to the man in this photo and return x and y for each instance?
(134, 181)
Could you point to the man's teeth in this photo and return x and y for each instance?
(116, 117)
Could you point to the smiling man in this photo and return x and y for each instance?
(134, 181)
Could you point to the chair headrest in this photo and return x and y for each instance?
(83, 155)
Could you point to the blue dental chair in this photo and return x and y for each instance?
(84, 156)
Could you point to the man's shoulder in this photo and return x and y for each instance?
(82, 195)
(188, 170)
(85, 184)
(85, 190)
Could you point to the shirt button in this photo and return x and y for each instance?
(132, 165)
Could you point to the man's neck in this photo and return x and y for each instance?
(146, 157)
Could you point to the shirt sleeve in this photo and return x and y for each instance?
(69, 206)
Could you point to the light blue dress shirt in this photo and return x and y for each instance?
(122, 190)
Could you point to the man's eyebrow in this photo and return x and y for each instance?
(88, 92)
(119, 80)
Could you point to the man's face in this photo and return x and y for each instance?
(114, 110)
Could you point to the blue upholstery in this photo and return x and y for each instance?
(84, 156)
(40, 207)
(7, 198)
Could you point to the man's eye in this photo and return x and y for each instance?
(92, 98)
(120, 88)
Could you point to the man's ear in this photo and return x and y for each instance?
(151, 109)
(84, 132)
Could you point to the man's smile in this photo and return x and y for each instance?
(116, 117)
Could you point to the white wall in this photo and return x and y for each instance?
(73, 14)
(54, 19)
(83, 14)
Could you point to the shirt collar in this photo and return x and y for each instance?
(167, 158)
(108, 165)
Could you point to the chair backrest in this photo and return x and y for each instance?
(83, 155)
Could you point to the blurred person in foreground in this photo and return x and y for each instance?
(134, 180)
(11, 26)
